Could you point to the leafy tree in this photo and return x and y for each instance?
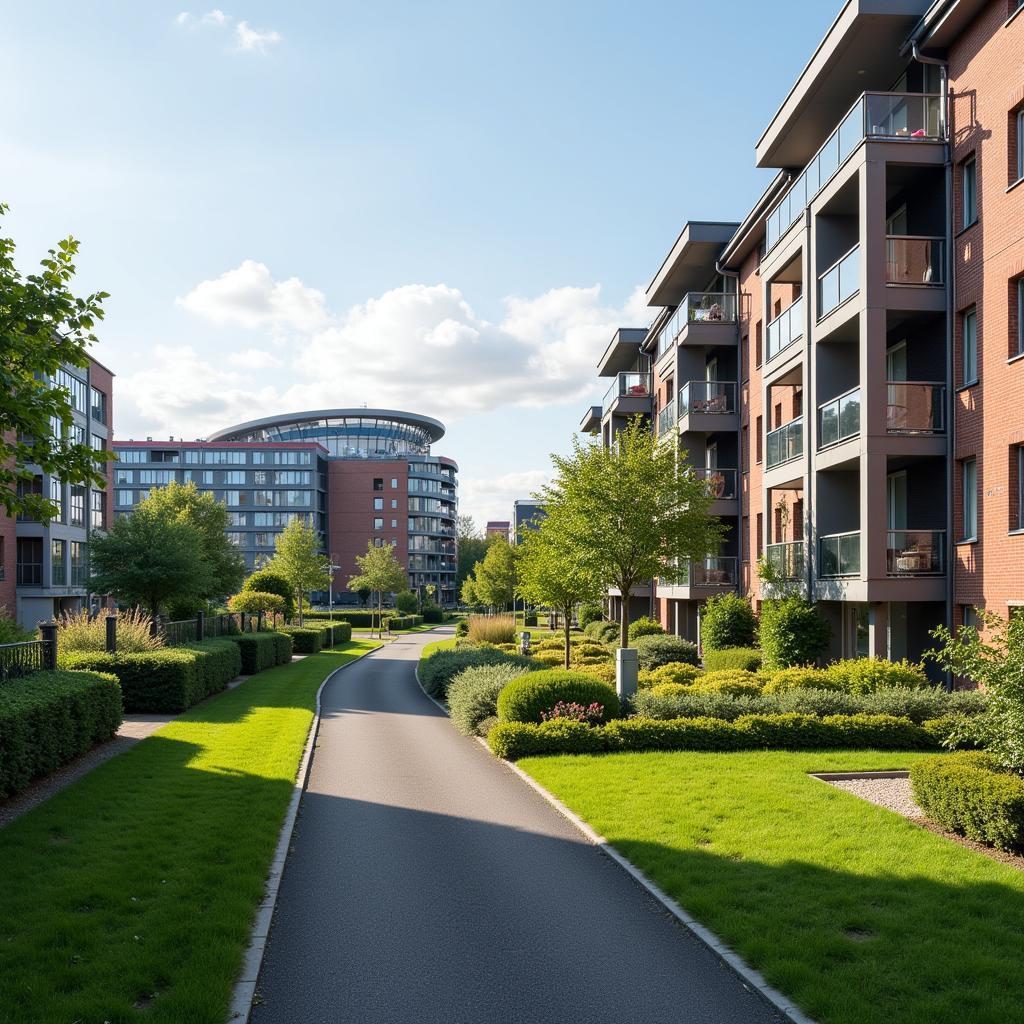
(468, 595)
(727, 620)
(472, 548)
(406, 602)
(554, 574)
(466, 528)
(255, 602)
(43, 326)
(792, 633)
(149, 558)
(364, 595)
(298, 558)
(225, 567)
(634, 510)
(379, 570)
(495, 577)
(265, 581)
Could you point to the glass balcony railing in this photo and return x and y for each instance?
(785, 443)
(627, 385)
(721, 482)
(915, 552)
(839, 555)
(786, 559)
(914, 408)
(911, 117)
(839, 419)
(714, 571)
(696, 307)
(786, 328)
(667, 418)
(915, 260)
(839, 282)
(708, 397)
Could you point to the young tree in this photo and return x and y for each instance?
(379, 570)
(209, 518)
(298, 558)
(468, 595)
(634, 510)
(551, 573)
(149, 559)
(43, 327)
(495, 576)
(264, 581)
(256, 602)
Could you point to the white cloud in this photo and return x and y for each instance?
(255, 359)
(487, 498)
(248, 38)
(215, 17)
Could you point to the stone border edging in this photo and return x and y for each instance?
(752, 978)
(244, 992)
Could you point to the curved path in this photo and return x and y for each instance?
(427, 884)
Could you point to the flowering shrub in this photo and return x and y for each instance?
(592, 714)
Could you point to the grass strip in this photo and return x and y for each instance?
(129, 896)
(849, 909)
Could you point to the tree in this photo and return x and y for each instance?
(467, 594)
(552, 573)
(225, 566)
(379, 570)
(635, 510)
(495, 577)
(149, 559)
(264, 581)
(792, 632)
(472, 547)
(727, 620)
(466, 528)
(364, 595)
(298, 558)
(256, 602)
(42, 328)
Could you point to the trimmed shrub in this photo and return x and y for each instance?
(549, 658)
(262, 650)
(864, 675)
(644, 626)
(432, 613)
(406, 603)
(792, 633)
(462, 627)
(220, 661)
(437, 671)
(674, 672)
(252, 602)
(653, 651)
(404, 621)
(604, 671)
(797, 678)
(359, 619)
(342, 633)
(608, 633)
(670, 700)
(589, 613)
(969, 793)
(593, 628)
(726, 621)
(525, 698)
(512, 740)
(745, 658)
(48, 718)
(735, 681)
(493, 629)
(473, 694)
(266, 581)
(305, 639)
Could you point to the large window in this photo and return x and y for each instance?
(969, 188)
(29, 558)
(77, 389)
(132, 455)
(57, 497)
(58, 570)
(98, 510)
(292, 458)
(79, 563)
(98, 401)
(969, 344)
(969, 477)
(77, 505)
(157, 477)
(224, 458)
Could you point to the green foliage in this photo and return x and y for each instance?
(438, 670)
(219, 662)
(798, 678)
(673, 672)
(260, 651)
(10, 631)
(44, 327)
(305, 639)
(299, 560)
(76, 631)
(589, 612)
(644, 626)
(864, 675)
(736, 681)
(252, 602)
(672, 700)
(432, 613)
(406, 602)
(491, 629)
(462, 627)
(747, 658)
(654, 651)
(48, 718)
(380, 571)
(727, 621)
(265, 581)
(792, 633)
(473, 694)
(972, 794)
(525, 698)
(513, 740)
(403, 621)
(493, 581)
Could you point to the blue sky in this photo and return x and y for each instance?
(444, 208)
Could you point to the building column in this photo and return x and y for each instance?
(878, 630)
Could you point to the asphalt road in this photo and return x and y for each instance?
(428, 884)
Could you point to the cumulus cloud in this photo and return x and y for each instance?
(246, 38)
(487, 498)
(255, 359)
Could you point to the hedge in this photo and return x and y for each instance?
(437, 671)
(48, 718)
(525, 698)
(727, 621)
(358, 619)
(263, 650)
(969, 793)
(169, 680)
(305, 639)
(746, 658)
(512, 740)
(656, 650)
(404, 621)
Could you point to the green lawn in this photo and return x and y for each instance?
(130, 896)
(437, 645)
(849, 909)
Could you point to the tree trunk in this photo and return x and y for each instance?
(568, 646)
(298, 593)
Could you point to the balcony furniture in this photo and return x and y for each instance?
(716, 484)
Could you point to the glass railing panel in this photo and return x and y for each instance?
(786, 559)
(714, 571)
(710, 307)
(786, 328)
(839, 283)
(915, 552)
(903, 116)
(839, 555)
(627, 385)
(721, 482)
(913, 408)
(914, 260)
(667, 418)
(839, 419)
(708, 397)
(785, 443)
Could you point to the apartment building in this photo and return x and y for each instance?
(825, 362)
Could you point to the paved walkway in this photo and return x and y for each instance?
(427, 884)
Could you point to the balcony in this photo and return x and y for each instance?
(785, 443)
(915, 408)
(721, 482)
(839, 420)
(707, 397)
(839, 555)
(840, 282)
(696, 308)
(915, 260)
(667, 418)
(714, 573)
(629, 395)
(29, 574)
(787, 560)
(887, 117)
(786, 329)
(915, 553)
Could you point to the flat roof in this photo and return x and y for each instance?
(690, 262)
(435, 428)
(942, 23)
(132, 443)
(621, 352)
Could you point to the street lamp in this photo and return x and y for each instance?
(332, 569)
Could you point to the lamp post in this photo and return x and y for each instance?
(332, 569)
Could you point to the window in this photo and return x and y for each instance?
(223, 458)
(79, 563)
(969, 479)
(77, 505)
(758, 342)
(234, 476)
(378, 524)
(258, 458)
(969, 190)
(159, 477)
(745, 449)
(759, 534)
(378, 542)
(57, 497)
(378, 504)
(124, 498)
(292, 476)
(98, 403)
(29, 558)
(394, 503)
(238, 518)
(98, 510)
(193, 457)
(969, 345)
(744, 358)
(238, 539)
(394, 524)
(132, 455)
(1017, 305)
(394, 483)
(99, 444)
(291, 458)
(759, 442)
(77, 389)
(969, 615)
(58, 570)
(264, 539)
(378, 483)
(124, 476)
(1019, 519)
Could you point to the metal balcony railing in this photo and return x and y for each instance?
(839, 555)
(696, 307)
(839, 419)
(839, 282)
(915, 260)
(721, 482)
(786, 328)
(787, 559)
(915, 553)
(714, 571)
(708, 397)
(627, 385)
(915, 408)
(785, 443)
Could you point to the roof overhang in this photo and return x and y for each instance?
(622, 351)
(435, 428)
(942, 23)
(749, 234)
(691, 262)
(591, 422)
(861, 51)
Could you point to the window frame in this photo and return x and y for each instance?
(971, 313)
(969, 164)
(969, 466)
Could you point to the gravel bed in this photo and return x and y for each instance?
(894, 794)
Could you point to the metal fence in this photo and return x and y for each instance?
(22, 659)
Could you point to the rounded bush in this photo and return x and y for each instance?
(792, 633)
(473, 694)
(644, 626)
(549, 657)
(746, 658)
(462, 628)
(727, 620)
(674, 672)
(589, 613)
(605, 671)
(797, 678)
(865, 675)
(523, 699)
(733, 681)
(437, 671)
(653, 651)
(670, 690)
